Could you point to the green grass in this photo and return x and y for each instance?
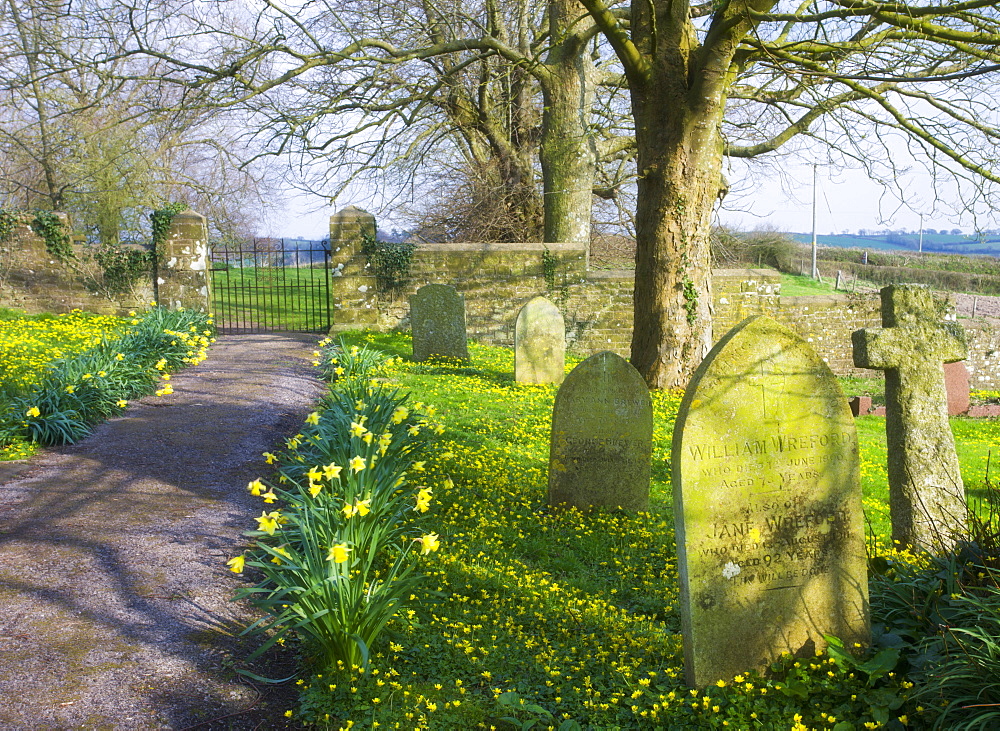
(795, 285)
(280, 298)
(575, 615)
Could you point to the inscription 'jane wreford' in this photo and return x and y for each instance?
(767, 506)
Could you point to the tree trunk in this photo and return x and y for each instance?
(679, 155)
(568, 150)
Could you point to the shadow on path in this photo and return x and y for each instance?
(114, 594)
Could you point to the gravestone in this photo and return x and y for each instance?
(602, 437)
(437, 316)
(926, 495)
(767, 506)
(539, 343)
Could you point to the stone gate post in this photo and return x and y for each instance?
(352, 288)
(183, 277)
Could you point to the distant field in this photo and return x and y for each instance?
(271, 298)
(940, 243)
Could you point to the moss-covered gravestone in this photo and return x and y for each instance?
(767, 506)
(437, 316)
(926, 495)
(602, 437)
(539, 343)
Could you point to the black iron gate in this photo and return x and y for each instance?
(267, 285)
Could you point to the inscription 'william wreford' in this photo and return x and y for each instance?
(771, 445)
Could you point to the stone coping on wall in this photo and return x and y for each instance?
(490, 248)
(767, 274)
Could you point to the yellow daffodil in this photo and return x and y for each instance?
(256, 488)
(314, 489)
(399, 414)
(368, 437)
(338, 371)
(360, 507)
(270, 458)
(332, 471)
(121, 403)
(268, 522)
(428, 543)
(423, 500)
(418, 466)
(359, 405)
(120, 357)
(284, 552)
(338, 553)
(357, 429)
(315, 474)
(269, 496)
(413, 431)
(161, 364)
(32, 412)
(70, 389)
(357, 464)
(448, 484)
(313, 418)
(236, 564)
(355, 350)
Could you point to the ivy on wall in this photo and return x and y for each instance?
(54, 233)
(390, 261)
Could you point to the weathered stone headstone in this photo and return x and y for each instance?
(602, 437)
(437, 315)
(767, 506)
(926, 495)
(539, 343)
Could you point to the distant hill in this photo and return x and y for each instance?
(986, 244)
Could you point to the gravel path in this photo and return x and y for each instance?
(114, 594)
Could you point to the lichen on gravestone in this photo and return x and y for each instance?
(539, 343)
(437, 316)
(926, 493)
(767, 506)
(602, 437)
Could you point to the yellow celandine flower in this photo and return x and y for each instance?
(423, 500)
(428, 543)
(32, 412)
(399, 414)
(268, 522)
(270, 458)
(338, 553)
(236, 564)
(256, 488)
(332, 471)
(357, 464)
(357, 429)
(313, 418)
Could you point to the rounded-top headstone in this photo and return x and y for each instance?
(437, 316)
(602, 437)
(767, 506)
(539, 343)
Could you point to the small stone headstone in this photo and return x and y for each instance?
(926, 494)
(539, 343)
(602, 437)
(437, 316)
(767, 506)
(956, 384)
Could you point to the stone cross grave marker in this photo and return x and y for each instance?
(437, 316)
(926, 495)
(539, 343)
(602, 436)
(767, 506)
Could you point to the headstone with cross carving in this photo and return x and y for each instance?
(767, 506)
(926, 495)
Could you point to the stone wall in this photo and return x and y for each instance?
(33, 280)
(497, 279)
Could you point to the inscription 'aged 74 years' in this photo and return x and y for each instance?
(767, 505)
